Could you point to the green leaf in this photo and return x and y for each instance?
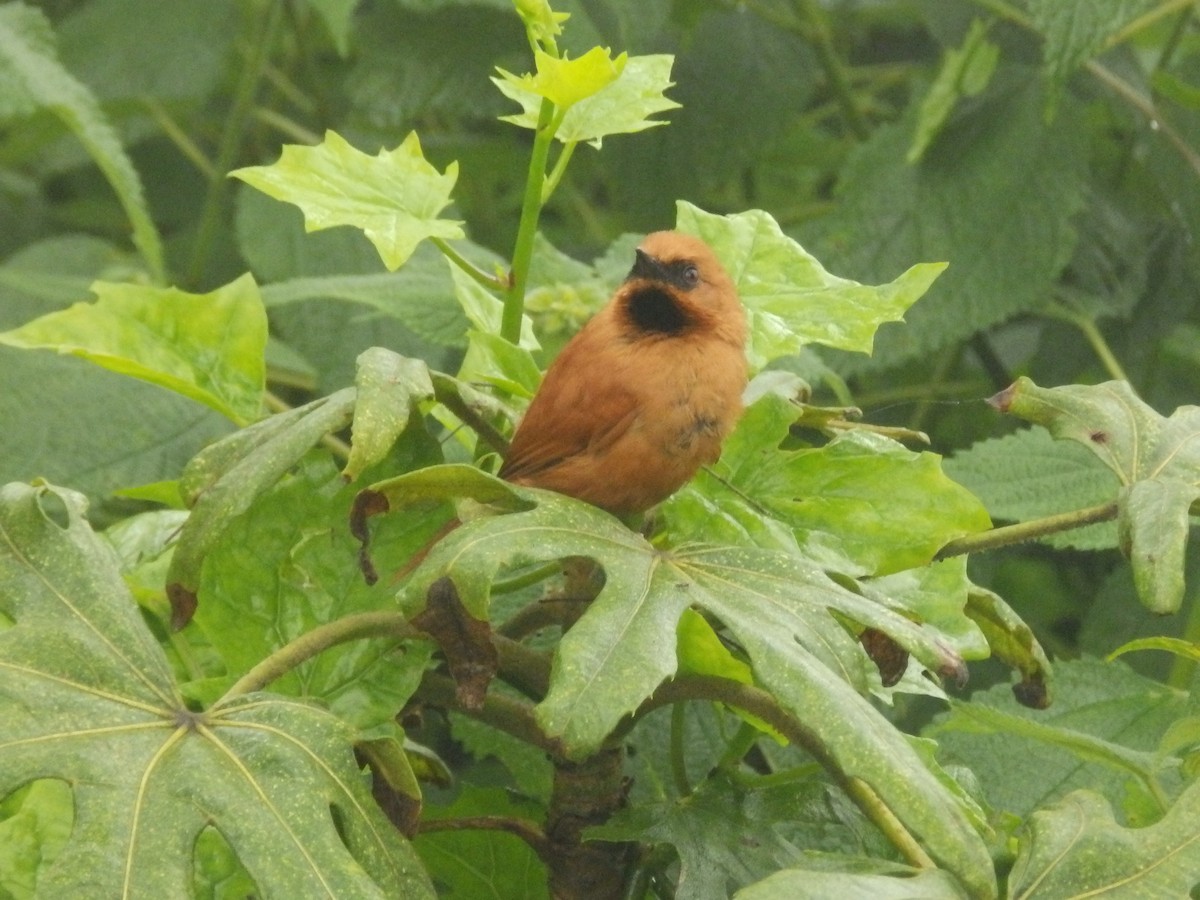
(1076, 30)
(420, 296)
(861, 503)
(88, 697)
(965, 72)
(622, 106)
(1181, 648)
(1156, 460)
(288, 565)
(542, 22)
(790, 299)
(1102, 732)
(996, 196)
(35, 825)
(395, 197)
(338, 16)
(389, 388)
(164, 51)
(223, 481)
(1028, 475)
(815, 884)
(208, 347)
(32, 78)
(471, 863)
(564, 82)
(1076, 848)
(776, 606)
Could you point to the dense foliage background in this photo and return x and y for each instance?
(1045, 149)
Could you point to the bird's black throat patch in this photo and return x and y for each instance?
(656, 311)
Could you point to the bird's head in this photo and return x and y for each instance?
(678, 287)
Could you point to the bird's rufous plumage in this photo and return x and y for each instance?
(647, 392)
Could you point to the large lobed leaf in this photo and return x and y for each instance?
(208, 347)
(776, 606)
(862, 503)
(1075, 848)
(87, 696)
(790, 299)
(395, 198)
(1156, 461)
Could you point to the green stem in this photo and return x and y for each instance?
(491, 282)
(180, 138)
(1027, 531)
(817, 32)
(231, 139)
(1148, 19)
(286, 125)
(531, 208)
(358, 627)
(1095, 338)
(679, 749)
(739, 746)
(556, 174)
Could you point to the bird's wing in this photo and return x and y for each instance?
(583, 405)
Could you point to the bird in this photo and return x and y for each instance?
(646, 393)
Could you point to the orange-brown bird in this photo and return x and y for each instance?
(646, 393)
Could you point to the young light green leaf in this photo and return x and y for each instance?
(32, 78)
(395, 197)
(88, 697)
(208, 347)
(389, 388)
(790, 299)
(542, 22)
(564, 82)
(1155, 459)
(1075, 848)
(623, 106)
(863, 503)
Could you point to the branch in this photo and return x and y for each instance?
(1027, 531)
(522, 828)
(340, 631)
(508, 714)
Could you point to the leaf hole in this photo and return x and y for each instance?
(216, 865)
(54, 509)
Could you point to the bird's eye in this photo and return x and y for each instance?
(691, 275)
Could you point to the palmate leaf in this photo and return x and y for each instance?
(790, 299)
(862, 503)
(208, 347)
(1156, 461)
(87, 696)
(775, 605)
(1075, 848)
(395, 198)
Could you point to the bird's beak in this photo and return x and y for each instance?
(646, 266)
